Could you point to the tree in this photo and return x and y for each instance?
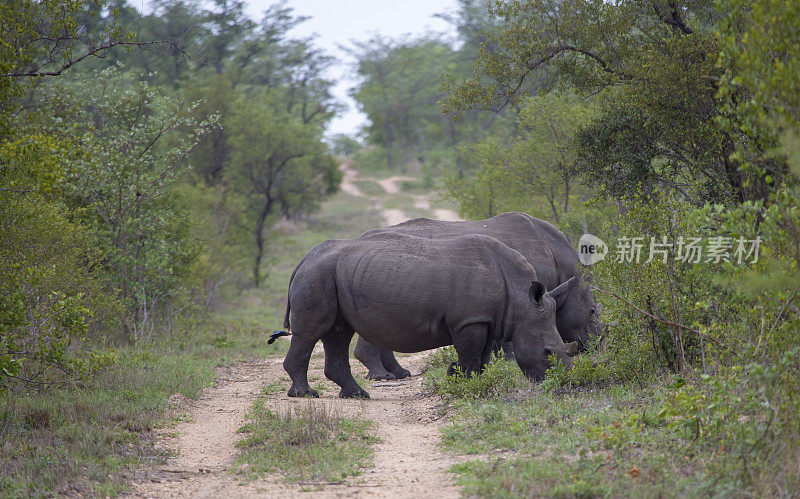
(531, 171)
(136, 144)
(652, 66)
(261, 57)
(278, 162)
(398, 93)
(228, 25)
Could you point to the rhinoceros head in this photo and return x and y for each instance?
(536, 338)
(577, 314)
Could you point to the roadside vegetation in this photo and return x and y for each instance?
(691, 390)
(138, 247)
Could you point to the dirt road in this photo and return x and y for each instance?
(391, 187)
(407, 462)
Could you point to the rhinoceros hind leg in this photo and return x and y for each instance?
(296, 364)
(390, 364)
(337, 361)
(473, 347)
(370, 355)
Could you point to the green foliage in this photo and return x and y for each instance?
(398, 93)
(135, 147)
(582, 372)
(758, 50)
(278, 163)
(50, 294)
(532, 171)
(344, 145)
(652, 69)
(307, 444)
(48, 298)
(500, 378)
(44, 38)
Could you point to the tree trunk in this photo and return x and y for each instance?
(258, 232)
(389, 140)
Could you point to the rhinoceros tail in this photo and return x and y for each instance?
(288, 298)
(286, 317)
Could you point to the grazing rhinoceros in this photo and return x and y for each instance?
(409, 294)
(545, 247)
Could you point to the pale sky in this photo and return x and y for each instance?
(338, 22)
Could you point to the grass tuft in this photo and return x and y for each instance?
(309, 444)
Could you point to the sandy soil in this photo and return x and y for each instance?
(422, 202)
(445, 214)
(392, 216)
(390, 184)
(407, 463)
(350, 175)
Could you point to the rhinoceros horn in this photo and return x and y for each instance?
(560, 292)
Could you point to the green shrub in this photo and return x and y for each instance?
(583, 372)
(500, 378)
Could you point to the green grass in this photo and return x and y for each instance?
(369, 188)
(611, 441)
(500, 378)
(309, 445)
(80, 440)
(415, 186)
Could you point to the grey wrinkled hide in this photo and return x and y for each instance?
(408, 294)
(545, 247)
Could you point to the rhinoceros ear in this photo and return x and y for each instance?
(561, 292)
(537, 291)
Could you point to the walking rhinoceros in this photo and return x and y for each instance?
(545, 247)
(409, 294)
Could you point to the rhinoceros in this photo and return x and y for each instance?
(409, 294)
(545, 247)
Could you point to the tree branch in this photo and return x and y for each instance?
(674, 324)
(71, 62)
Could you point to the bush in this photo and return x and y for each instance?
(499, 378)
(51, 293)
(583, 372)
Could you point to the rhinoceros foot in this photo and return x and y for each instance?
(400, 373)
(309, 392)
(353, 393)
(381, 376)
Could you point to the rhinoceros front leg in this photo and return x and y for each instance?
(370, 355)
(473, 347)
(337, 362)
(296, 364)
(390, 364)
